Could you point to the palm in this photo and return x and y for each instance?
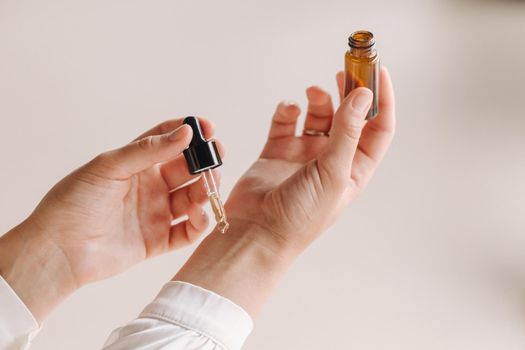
(106, 223)
(127, 219)
(289, 187)
(280, 176)
(283, 173)
(279, 160)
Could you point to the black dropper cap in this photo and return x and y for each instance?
(201, 154)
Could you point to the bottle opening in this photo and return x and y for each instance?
(361, 39)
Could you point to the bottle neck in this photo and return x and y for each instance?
(361, 52)
(362, 44)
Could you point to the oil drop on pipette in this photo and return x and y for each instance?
(202, 156)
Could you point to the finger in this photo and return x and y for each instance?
(220, 148)
(176, 172)
(340, 78)
(194, 193)
(348, 123)
(284, 120)
(320, 110)
(187, 232)
(139, 155)
(169, 125)
(377, 134)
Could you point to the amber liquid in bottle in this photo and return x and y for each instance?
(362, 67)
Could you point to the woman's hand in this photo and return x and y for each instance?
(111, 213)
(294, 191)
(300, 184)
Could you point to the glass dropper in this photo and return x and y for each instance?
(202, 156)
(215, 200)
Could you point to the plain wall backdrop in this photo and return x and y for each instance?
(431, 256)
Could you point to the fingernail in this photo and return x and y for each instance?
(176, 134)
(362, 99)
(290, 107)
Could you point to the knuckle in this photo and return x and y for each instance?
(145, 143)
(166, 126)
(353, 129)
(103, 165)
(102, 160)
(163, 127)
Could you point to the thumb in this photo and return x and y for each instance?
(143, 153)
(346, 130)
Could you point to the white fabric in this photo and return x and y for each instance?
(17, 325)
(182, 316)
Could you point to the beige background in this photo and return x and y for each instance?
(432, 256)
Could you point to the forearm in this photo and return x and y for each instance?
(35, 269)
(243, 265)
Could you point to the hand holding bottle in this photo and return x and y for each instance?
(293, 192)
(300, 184)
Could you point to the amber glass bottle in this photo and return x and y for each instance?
(362, 67)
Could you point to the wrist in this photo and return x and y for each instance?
(35, 268)
(275, 243)
(243, 265)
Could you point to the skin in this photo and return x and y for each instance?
(293, 192)
(105, 217)
(117, 210)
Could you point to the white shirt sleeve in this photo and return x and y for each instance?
(17, 324)
(185, 316)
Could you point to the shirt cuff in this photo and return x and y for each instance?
(17, 324)
(202, 311)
